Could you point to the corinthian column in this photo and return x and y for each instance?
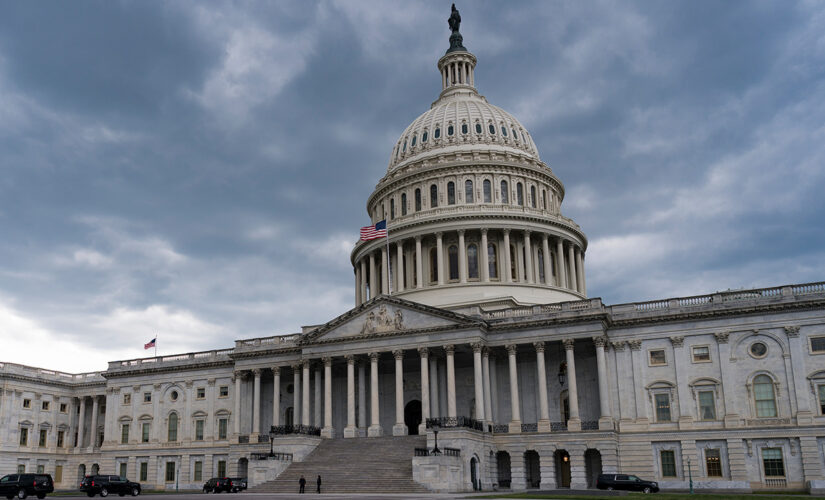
(350, 431)
(478, 380)
(605, 421)
(571, 257)
(508, 275)
(256, 401)
(439, 241)
(515, 406)
(485, 258)
(574, 424)
(450, 351)
(363, 280)
(296, 394)
(399, 429)
(375, 429)
(399, 265)
(462, 257)
(237, 397)
(419, 270)
(385, 283)
(548, 268)
(425, 389)
(327, 431)
(276, 395)
(305, 395)
(560, 275)
(373, 277)
(528, 258)
(80, 422)
(488, 399)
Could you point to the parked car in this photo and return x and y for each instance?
(218, 485)
(625, 482)
(23, 485)
(238, 484)
(103, 485)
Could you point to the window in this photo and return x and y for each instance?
(173, 395)
(414, 139)
(170, 472)
(468, 191)
(60, 438)
(433, 196)
(392, 208)
(64, 408)
(544, 199)
(44, 405)
(58, 474)
(662, 407)
(200, 393)
(42, 441)
(472, 262)
(450, 130)
(404, 149)
(41, 468)
(452, 253)
(144, 432)
(657, 357)
(758, 350)
(713, 462)
(540, 254)
(147, 397)
(520, 194)
(199, 464)
(222, 425)
(503, 131)
(198, 430)
(433, 265)
(464, 128)
(451, 193)
(417, 200)
(515, 135)
(533, 196)
(124, 434)
(403, 203)
(504, 195)
(763, 395)
(513, 273)
(492, 129)
(424, 137)
(221, 468)
(27, 403)
(822, 399)
(707, 408)
(817, 345)
(773, 463)
(492, 263)
(127, 399)
(701, 354)
(172, 434)
(223, 391)
(21, 468)
(668, 459)
(437, 133)
(24, 436)
(144, 471)
(122, 470)
(487, 188)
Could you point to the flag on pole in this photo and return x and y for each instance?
(374, 232)
(150, 344)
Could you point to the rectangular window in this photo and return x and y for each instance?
(668, 463)
(27, 403)
(41, 468)
(24, 436)
(60, 438)
(198, 471)
(58, 473)
(21, 468)
(822, 399)
(818, 345)
(122, 471)
(170, 472)
(144, 471)
(124, 434)
(222, 425)
(223, 391)
(64, 408)
(144, 432)
(662, 407)
(221, 468)
(198, 430)
(657, 357)
(713, 463)
(42, 441)
(147, 397)
(44, 405)
(701, 354)
(707, 408)
(201, 393)
(127, 399)
(773, 463)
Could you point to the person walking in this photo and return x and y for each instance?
(302, 483)
(319, 483)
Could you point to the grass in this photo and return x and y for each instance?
(664, 496)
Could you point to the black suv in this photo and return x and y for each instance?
(238, 484)
(24, 485)
(104, 485)
(217, 485)
(625, 482)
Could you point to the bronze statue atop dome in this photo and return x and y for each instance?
(456, 40)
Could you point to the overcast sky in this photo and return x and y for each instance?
(199, 170)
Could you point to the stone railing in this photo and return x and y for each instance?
(174, 359)
(283, 430)
(529, 427)
(50, 375)
(776, 482)
(271, 456)
(761, 422)
(263, 438)
(267, 342)
(243, 439)
(454, 422)
(558, 308)
(558, 426)
(590, 425)
(447, 452)
(501, 428)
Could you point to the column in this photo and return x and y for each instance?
(375, 429)
(362, 399)
(462, 258)
(560, 276)
(515, 406)
(358, 300)
(439, 242)
(478, 381)
(494, 413)
(350, 431)
(276, 396)
(544, 410)
(579, 270)
(638, 370)
(548, 268)
(399, 280)
(528, 258)
(507, 259)
(399, 429)
(80, 422)
(256, 401)
(574, 424)
(681, 364)
(582, 280)
(385, 283)
(318, 389)
(296, 394)
(605, 420)
(798, 351)
(450, 351)
(572, 259)
(434, 407)
(363, 281)
(328, 431)
(485, 262)
(373, 277)
(93, 428)
(425, 389)
(488, 400)
(419, 270)
(236, 376)
(305, 395)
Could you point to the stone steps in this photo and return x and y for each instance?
(359, 465)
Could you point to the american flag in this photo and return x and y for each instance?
(150, 344)
(374, 232)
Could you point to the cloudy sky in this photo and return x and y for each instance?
(199, 170)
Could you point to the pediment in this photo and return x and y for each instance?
(388, 315)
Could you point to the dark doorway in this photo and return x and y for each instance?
(531, 467)
(503, 467)
(243, 467)
(412, 416)
(562, 469)
(474, 474)
(592, 466)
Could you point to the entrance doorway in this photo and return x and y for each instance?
(503, 467)
(531, 467)
(592, 466)
(243, 467)
(562, 469)
(474, 474)
(412, 416)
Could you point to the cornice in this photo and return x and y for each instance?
(166, 369)
(54, 383)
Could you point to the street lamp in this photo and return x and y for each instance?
(690, 477)
(272, 441)
(562, 373)
(436, 451)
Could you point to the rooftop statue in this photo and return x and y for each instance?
(456, 39)
(455, 20)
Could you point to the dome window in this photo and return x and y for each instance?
(450, 130)
(478, 128)
(533, 196)
(522, 136)
(472, 262)
(403, 204)
(505, 198)
(503, 131)
(418, 200)
(520, 194)
(468, 191)
(433, 196)
(437, 133)
(515, 135)
(487, 191)
(451, 193)
(404, 149)
(464, 128)
(452, 253)
(492, 129)
(392, 208)
(424, 137)
(413, 141)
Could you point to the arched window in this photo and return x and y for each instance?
(433, 196)
(464, 128)
(544, 199)
(415, 136)
(515, 136)
(492, 129)
(488, 191)
(417, 199)
(172, 435)
(433, 265)
(764, 396)
(472, 261)
(403, 203)
(505, 198)
(452, 252)
(450, 130)
(541, 265)
(451, 193)
(503, 131)
(437, 133)
(289, 416)
(533, 196)
(468, 191)
(424, 137)
(404, 149)
(478, 128)
(492, 260)
(392, 208)
(520, 194)
(513, 263)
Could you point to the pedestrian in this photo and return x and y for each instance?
(319, 483)
(302, 482)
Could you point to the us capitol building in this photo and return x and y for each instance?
(472, 320)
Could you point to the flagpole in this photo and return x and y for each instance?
(389, 258)
(156, 345)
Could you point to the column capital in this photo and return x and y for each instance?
(374, 356)
(306, 362)
(237, 374)
(511, 348)
(527, 232)
(256, 372)
(477, 347)
(506, 231)
(618, 345)
(722, 337)
(483, 230)
(296, 367)
(460, 231)
(449, 349)
(276, 370)
(568, 344)
(417, 238)
(635, 344)
(792, 331)
(677, 340)
(485, 353)
(398, 354)
(439, 234)
(539, 346)
(544, 237)
(350, 359)
(424, 352)
(327, 361)
(600, 341)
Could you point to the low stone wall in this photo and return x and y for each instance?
(440, 474)
(261, 471)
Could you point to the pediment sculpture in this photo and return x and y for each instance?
(383, 321)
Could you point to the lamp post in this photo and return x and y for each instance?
(690, 477)
(562, 373)
(436, 451)
(271, 442)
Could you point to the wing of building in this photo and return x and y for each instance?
(472, 320)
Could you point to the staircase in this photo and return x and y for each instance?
(358, 465)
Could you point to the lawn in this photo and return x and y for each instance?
(665, 496)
